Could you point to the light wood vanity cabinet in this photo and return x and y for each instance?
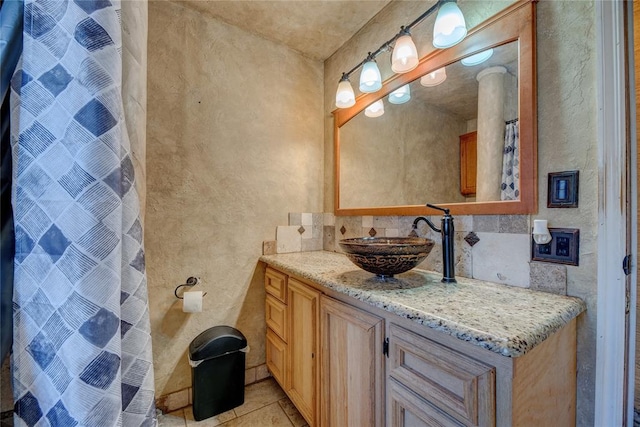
(276, 319)
(331, 349)
(327, 351)
(292, 314)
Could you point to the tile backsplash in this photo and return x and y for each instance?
(499, 250)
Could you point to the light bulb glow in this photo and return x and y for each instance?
(450, 27)
(400, 95)
(478, 58)
(405, 55)
(345, 97)
(434, 78)
(370, 79)
(375, 110)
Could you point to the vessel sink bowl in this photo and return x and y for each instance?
(386, 256)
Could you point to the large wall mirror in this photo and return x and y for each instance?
(446, 145)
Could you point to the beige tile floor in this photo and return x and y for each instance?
(265, 405)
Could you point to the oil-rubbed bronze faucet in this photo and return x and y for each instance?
(446, 230)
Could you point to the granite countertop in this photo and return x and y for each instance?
(505, 319)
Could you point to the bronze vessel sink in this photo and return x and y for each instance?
(386, 256)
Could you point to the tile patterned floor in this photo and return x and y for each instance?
(265, 405)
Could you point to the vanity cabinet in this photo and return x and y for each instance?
(317, 347)
(344, 362)
(292, 314)
(276, 319)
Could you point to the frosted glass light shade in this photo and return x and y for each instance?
(478, 58)
(370, 79)
(375, 110)
(434, 78)
(405, 55)
(400, 95)
(345, 97)
(450, 27)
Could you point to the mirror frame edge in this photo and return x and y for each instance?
(517, 22)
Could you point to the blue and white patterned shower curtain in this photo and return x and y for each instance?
(82, 345)
(510, 189)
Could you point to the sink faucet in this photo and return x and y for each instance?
(446, 230)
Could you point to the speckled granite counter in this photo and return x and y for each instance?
(504, 319)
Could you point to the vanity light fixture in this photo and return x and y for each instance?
(434, 78)
(405, 55)
(345, 97)
(540, 232)
(375, 110)
(400, 95)
(449, 30)
(370, 79)
(450, 27)
(478, 58)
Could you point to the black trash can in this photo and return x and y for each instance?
(217, 358)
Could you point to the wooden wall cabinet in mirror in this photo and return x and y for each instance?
(394, 164)
(468, 163)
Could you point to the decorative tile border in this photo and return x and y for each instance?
(303, 233)
(323, 231)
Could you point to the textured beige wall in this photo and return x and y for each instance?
(234, 144)
(566, 49)
(567, 140)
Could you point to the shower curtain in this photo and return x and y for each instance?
(10, 50)
(510, 189)
(82, 345)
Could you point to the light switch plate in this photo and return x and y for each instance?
(564, 247)
(562, 189)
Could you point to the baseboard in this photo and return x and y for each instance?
(182, 398)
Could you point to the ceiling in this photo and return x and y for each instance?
(315, 28)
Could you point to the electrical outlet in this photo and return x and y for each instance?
(564, 247)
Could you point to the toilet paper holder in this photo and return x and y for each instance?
(191, 281)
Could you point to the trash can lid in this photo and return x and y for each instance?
(216, 341)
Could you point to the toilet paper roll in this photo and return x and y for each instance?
(192, 302)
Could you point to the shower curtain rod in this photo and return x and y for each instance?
(508, 122)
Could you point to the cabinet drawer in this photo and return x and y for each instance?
(276, 350)
(276, 317)
(275, 284)
(407, 409)
(456, 384)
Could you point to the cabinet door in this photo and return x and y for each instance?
(303, 305)
(352, 379)
(468, 163)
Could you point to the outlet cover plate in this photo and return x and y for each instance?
(564, 247)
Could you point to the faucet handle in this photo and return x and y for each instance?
(445, 210)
